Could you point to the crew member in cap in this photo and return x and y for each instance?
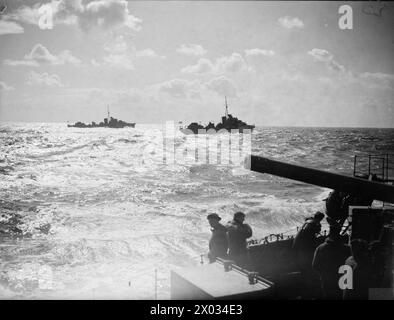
(304, 245)
(218, 242)
(237, 233)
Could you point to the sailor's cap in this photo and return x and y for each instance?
(214, 216)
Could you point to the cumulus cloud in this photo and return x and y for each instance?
(177, 88)
(225, 64)
(43, 79)
(18, 63)
(196, 89)
(181, 88)
(327, 58)
(5, 87)
(25, 14)
(41, 55)
(291, 22)
(105, 14)
(121, 53)
(148, 53)
(258, 52)
(222, 86)
(202, 66)
(10, 27)
(118, 54)
(233, 63)
(191, 50)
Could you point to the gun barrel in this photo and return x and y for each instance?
(371, 189)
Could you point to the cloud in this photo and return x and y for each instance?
(225, 64)
(9, 27)
(121, 53)
(258, 52)
(222, 86)
(25, 14)
(378, 80)
(17, 63)
(119, 60)
(41, 55)
(105, 14)
(118, 54)
(176, 87)
(95, 63)
(191, 50)
(117, 45)
(202, 66)
(378, 76)
(233, 63)
(291, 22)
(148, 53)
(180, 88)
(5, 87)
(43, 79)
(327, 58)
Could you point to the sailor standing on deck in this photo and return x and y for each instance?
(237, 233)
(304, 245)
(329, 256)
(218, 242)
(305, 241)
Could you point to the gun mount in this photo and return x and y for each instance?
(352, 185)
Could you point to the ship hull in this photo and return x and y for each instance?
(215, 131)
(131, 125)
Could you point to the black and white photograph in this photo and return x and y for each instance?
(196, 151)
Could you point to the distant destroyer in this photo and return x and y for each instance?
(228, 122)
(108, 122)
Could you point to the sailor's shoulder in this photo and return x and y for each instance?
(221, 227)
(230, 225)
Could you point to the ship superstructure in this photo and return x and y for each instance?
(108, 122)
(228, 123)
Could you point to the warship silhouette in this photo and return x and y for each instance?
(228, 123)
(108, 122)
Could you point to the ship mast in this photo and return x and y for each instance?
(108, 112)
(226, 113)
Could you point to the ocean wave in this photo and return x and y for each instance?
(82, 202)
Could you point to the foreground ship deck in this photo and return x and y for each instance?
(271, 260)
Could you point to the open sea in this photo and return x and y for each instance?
(87, 214)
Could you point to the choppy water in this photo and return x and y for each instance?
(82, 218)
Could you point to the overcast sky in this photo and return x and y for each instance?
(279, 63)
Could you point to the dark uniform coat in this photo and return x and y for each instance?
(329, 256)
(305, 243)
(218, 242)
(237, 235)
